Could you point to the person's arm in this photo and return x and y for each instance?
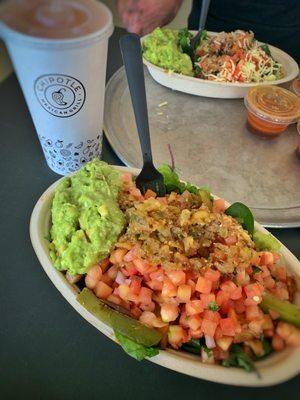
(142, 16)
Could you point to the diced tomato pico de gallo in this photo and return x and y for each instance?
(193, 272)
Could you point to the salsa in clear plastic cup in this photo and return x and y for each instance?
(271, 109)
(295, 86)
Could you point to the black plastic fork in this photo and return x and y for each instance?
(202, 22)
(149, 178)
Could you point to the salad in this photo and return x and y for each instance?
(225, 57)
(235, 57)
(185, 271)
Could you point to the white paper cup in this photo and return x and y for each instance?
(63, 81)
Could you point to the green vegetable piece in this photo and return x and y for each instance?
(288, 312)
(265, 241)
(173, 184)
(213, 306)
(192, 346)
(95, 306)
(266, 49)
(125, 325)
(238, 358)
(191, 188)
(171, 179)
(198, 69)
(208, 351)
(243, 215)
(184, 39)
(256, 269)
(203, 35)
(135, 350)
(135, 330)
(206, 198)
(207, 188)
(267, 347)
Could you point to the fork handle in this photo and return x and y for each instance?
(203, 14)
(202, 21)
(132, 57)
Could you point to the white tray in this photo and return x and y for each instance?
(211, 145)
(203, 87)
(277, 368)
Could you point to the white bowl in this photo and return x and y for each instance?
(222, 90)
(277, 368)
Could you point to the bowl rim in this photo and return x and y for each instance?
(283, 366)
(292, 75)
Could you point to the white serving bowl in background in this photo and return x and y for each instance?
(221, 90)
(275, 369)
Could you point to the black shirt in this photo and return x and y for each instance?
(276, 22)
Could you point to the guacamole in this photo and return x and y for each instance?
(162, 48)
(265, 241)
(86, 218)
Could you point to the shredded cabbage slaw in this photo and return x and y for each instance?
(236, 57)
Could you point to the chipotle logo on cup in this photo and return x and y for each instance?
(60, 95)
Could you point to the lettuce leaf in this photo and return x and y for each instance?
(265, 241)
(203, 36)
(135, 350)
(171, 179)
(243, 215)
(184, 39)
(173, 183)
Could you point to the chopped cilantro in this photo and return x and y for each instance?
(267, 346)
(198, 69)
(207, 351)
(192, 346)
(213, 306)
(238, 358)
(256, 269)
(266, 343)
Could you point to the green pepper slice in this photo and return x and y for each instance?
(122, 323)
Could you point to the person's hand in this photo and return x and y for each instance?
(142, 16)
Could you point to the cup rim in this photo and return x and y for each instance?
(8, 35)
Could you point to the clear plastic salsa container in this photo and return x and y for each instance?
(295, 86)
(271, 109)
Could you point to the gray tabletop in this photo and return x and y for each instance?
(47, 351)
